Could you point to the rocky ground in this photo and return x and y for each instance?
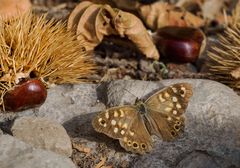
(36, 137)
(60, 134)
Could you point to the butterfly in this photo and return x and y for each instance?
(161, 115)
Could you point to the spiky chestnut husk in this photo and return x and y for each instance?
(225, 57)
(34, 47)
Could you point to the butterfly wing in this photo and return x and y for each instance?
(127, 125)
(165, 109)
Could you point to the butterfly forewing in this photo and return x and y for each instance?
(165, 109)
(124, 123)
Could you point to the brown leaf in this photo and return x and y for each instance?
(162, 14)
(76, 14)
(130, 26)
(212, 8)
(97, 21)
(103, 22)
(102, 163)
(86, 26)
(127, 4)
(81, 148)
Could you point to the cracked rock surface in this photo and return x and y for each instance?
(211, 136)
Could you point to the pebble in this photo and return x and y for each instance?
(43, 133)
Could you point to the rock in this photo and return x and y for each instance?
(17, 154)
(63, 103)
(196, 159)
(43, 133)
(212, 123)
(211, 135)
(1, 132)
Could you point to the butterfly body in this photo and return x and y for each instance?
(160, 115)
(141, 107)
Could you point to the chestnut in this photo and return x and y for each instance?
(26, 94)
(180, 44)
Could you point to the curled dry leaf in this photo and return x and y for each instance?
(213, 11)
(92, 22)
(161, 14)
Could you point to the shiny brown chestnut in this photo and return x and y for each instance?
(180, 44)
(27, 94)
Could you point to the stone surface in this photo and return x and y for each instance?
(17, 154)
(43, 133)
(211, 134)
(63, 103)
(198, 160)
(212, 123)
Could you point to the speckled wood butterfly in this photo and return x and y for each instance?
(160, 114)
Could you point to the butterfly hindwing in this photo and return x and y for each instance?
(124, 123)
(168, 128)
(137, 139)
(165, 109)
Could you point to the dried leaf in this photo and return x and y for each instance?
(103, 24)
(212, 8)
(97, 21)
(81, 148)
(76, 14)
(102, 163)
(127, 4)
(86, 26)
(128, 25)
(162, 14)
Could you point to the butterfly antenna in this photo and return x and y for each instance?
(131, 93)
(144, 90)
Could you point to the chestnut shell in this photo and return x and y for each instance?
(27, 94)
(180, 44)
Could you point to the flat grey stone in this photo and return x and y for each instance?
(17, 154)
(43, 133)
